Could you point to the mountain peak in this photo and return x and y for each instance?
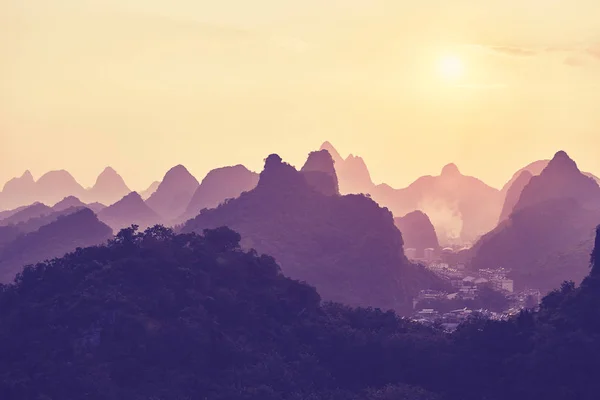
(450, 170)
(319, 171)
(27, 176)
(278, 175)
(337, 159)
(174, 193)
(562, 162)
(109, 187)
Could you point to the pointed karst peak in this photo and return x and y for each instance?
(319, 172)
(562, 162)
(278, 174)
(332, 151)
(179, 177)
(109, 171)
(450, 170)
(27, 176)
(319, 161)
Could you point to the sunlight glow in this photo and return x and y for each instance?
(451, 68)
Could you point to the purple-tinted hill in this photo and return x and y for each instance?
(417, 232)
(130, 210)
(346, 246)
(219, 185)
(109, 188)
(319, 172)
(514, 193)
(79, 229)
(352, 172)
(548, 237)
(174, 193)
(462, 208)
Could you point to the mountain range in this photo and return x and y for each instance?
(54, 186)
(548, 235)
(346, 246)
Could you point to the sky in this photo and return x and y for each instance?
(143, 85)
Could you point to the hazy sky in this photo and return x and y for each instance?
(142, 85)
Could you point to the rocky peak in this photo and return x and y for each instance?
(450, 170)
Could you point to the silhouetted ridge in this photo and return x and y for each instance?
(109, 187)
(54, 186)
(347, 246)
(68, 202)
(150, 190)
(33, 211)
(595, 258)
(219, 185)
(417, 232)
(278, 176)
(560, 179)
(514, 193)
(174, 193)
(130, 210)
(337, 159)
(450, 170)
(319, 171)
(65, 234)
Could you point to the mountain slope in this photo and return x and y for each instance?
(319, 172)
(174, 193)
(68, 202)
(347, 247)
(218, 185)
(109, 188)
(24, 214)
(352, 172)
(417, 232)
(18, 192)
(130, 210)
(460, 207)
(56, 185)
(79, 229)
(514, 193)
(548, 237)
(150, 190)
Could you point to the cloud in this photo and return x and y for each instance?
(574, 61)
(594, 51)
(514, 51)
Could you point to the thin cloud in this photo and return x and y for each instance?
(514, 51)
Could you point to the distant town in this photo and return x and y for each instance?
(432, 306)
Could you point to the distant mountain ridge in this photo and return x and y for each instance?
(130, 210)
(174, 193)
(461, 207)
(79, 229)
(219, 185)
(417, 232)
(54, 186)
(547, 237)
(344, 245)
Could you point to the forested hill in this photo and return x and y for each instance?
(161, 316)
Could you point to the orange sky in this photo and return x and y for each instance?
(144, 85)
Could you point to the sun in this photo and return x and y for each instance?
(451, 67)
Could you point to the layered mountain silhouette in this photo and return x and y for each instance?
(417, 232)
(69, 202)
(54, 186)
(514, 193)
(150, 190)
(319, 172)
(79, 229)
(548, 236)
(346, 246)
(109, 188)
(462, 208)
(219, 185)
(18, 192)
(174, 193)
(352, 172)
(130, 210)
(26, 213)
